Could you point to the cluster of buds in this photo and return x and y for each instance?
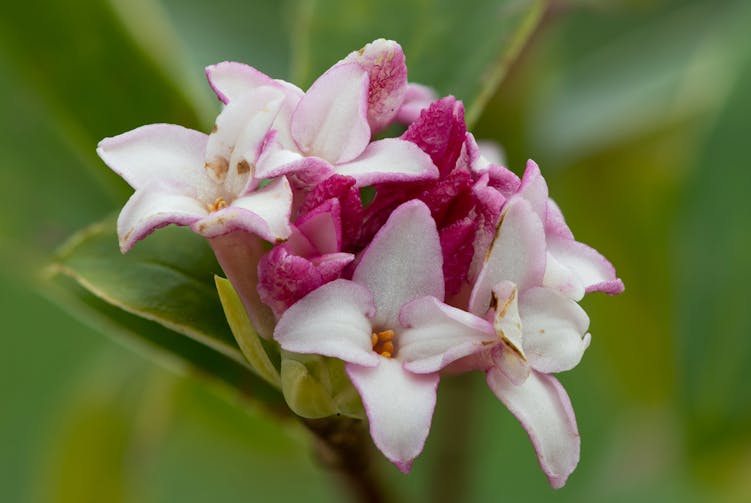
(451, 264)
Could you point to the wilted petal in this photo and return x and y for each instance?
(517, 254)
(399, 405)
(149, 209)
(402, 263)
(543, 408)
(332, 320)
(437, 334)
(555, 328)
(387, 71)
(164, 153)
(506, 319)
(508, 361)
(331, 119)
(389, 160)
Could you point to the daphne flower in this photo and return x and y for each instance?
(390, 324)
(540, 331)
(328, 129)
(185, 177)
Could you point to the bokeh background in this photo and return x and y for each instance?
(638, 113)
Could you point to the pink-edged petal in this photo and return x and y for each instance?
(555, 329)
(593, 270)
(416, 99)
(555, 223)
(534, 189)
(150, 209)
(399, 405)
(403, 262)
(517, 254)
(164, 153)
(543, 408)
(330, 265)
(507, 322)
(331, 120)
(562, 279)
(231, 80)
(437, 334)
(384, 61)
(323, 227)
(389, 160)
(264, 212)
(278, 161)
(332, 320)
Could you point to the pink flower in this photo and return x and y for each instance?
(390, 324)
(329, 128)
(185, 177)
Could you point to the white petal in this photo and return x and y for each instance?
(332, 320)
(517, 254)
(150, 209)
(508, 361)
(389, 160)
(331, 120)
(230, 80)
(586, 264)
(562, 279)
(264, 212)
(438, 334)
(403, 262)
(164, 153)
(555, 328)
(534, 189)
(543, 408)
(399, 405)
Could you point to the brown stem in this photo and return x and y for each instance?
(345, 448)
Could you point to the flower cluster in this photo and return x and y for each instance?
(455, 265)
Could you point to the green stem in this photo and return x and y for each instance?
(344, 447)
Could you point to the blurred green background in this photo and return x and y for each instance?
(637, 112)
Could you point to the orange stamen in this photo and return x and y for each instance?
(382, 343)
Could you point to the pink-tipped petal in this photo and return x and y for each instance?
(384, 61)
(161, 153)
(517, 254)
(534, 189)
(403, 262)
(332, 320)
(437, 334)
(331, 119)
(399, 405)
(593, 271)
(555, 329)
(389, 160)
(150, 209)
(543, 408)
(231, 80)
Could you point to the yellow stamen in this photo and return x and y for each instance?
(217, 205)
(382, 343)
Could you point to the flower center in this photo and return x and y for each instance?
(383, 343)
(217, 205)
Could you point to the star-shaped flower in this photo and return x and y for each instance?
(390, 324)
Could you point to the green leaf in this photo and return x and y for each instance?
(245, 335)
(160, 295)
(459, 48)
